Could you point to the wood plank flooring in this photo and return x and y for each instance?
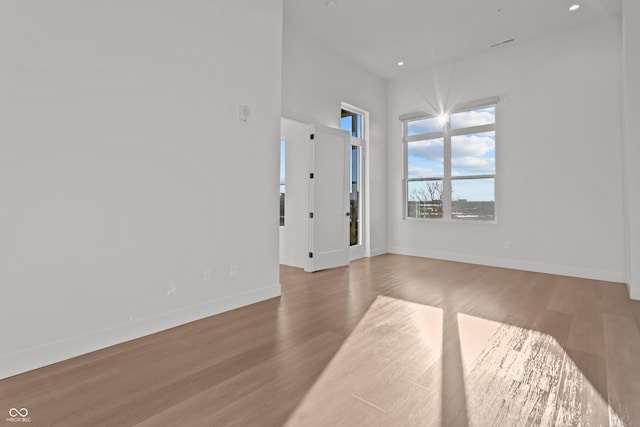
(391, 340)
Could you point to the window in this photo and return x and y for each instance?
(352, 122)
(450, 163)
(282, 176)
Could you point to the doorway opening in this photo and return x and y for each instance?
(355, 121)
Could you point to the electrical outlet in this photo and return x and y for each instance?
(507, 244)
(206, 275)
(233, 271)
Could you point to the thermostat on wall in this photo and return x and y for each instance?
(245, 111)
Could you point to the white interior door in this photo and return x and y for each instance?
(328, 198)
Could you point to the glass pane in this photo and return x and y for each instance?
(417, 127)
(473, 199)
(282, 161)
(424, 199)
(425, 158)
(351, 122)
(282, 192)
(465, 119)
(354, 198)
(473, 154)
(282, 177)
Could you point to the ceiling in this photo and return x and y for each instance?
(377, 34)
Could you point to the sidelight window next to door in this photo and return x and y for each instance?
(282, 179)
(352, 123)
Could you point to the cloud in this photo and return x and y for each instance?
(431, 149)
(422, 172)
(473, 118)
(426, 158)
(473, 154)
(473, 145)
(418, 127)
(470, 155)
(473, 166)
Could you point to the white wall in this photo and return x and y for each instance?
(315, 83)
(294, 236)
(125, 172)
(631, 86)
(559, 181)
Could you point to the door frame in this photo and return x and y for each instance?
(363, 249)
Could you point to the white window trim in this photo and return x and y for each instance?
(363, 143)
(447, 178)
(283, 182)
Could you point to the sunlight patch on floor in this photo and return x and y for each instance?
(410, 364)
(387, 372)
(520, 376)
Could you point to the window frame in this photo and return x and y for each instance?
(283, 180)
(363, 247)
(447, 179)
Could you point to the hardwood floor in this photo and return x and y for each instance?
(391, 340)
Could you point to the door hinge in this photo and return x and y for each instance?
(310, 254)
(311, 176)
(311, 215)
(313, 136)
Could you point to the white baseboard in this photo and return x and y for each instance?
(375, 252)
(561, 270)
(24, 361)
(634, 292)
(293, 262)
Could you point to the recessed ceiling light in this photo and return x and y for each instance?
(400, 63)
(574, 7)
(332, 3)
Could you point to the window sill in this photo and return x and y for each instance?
(452, 221)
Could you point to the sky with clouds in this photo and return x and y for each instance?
(282, 164)
(471, 154)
